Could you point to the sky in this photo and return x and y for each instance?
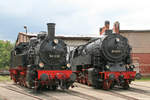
(72, 17)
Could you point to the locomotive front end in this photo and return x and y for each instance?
(53, 70)
(118, 66)
(115, 48)
(40, 62)
(53, 52)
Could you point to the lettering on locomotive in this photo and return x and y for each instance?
(116, 51)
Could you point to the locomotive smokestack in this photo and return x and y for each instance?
(116, 27)
(107, 23)
(106, 27)
(51, 30)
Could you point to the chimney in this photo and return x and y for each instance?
(116, 27)
(107, 23)
(51, 30)
(106, 27)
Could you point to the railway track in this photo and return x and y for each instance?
(29, 92)
(140, 85)
(114, 93)
(70, 92)
(110, 92)
(39, 93)
(140, 91)
(48, 94)
(21, 92)
(73, 94)
(82, 95)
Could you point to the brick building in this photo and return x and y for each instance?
(139, 40)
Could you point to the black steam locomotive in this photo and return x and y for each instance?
(40, 61)
(104, 62)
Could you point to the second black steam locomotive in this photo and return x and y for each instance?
(40, 61)
(104, 62)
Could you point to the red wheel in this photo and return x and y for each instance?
(106, 84)
(88, 83)
(80, 81)
(126, 85)
(14, 79)
(84, 81)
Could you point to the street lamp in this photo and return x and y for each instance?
(25, 27)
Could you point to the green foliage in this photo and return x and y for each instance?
(4, 78)
(144, 79)
(5, 49)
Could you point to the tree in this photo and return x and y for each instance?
(5, 49)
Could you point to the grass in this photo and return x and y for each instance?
(144, 79)
(7, 78)
(4, 78)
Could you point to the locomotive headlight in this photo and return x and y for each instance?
(56, 41)
(107, 67)
(41, 65)
(117, 39)
(68, 65)
(132, 66)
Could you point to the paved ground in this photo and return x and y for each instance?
(138, 91)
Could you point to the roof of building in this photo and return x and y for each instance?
(74, 37)
(134, 31)
(81, 37)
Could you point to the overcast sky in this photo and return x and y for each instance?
(71, 16)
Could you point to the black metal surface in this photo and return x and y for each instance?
(53, 54)
(111, 50)
(41, 49)
(51, 30)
